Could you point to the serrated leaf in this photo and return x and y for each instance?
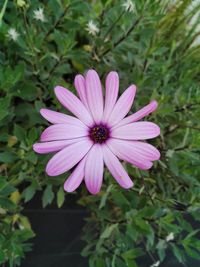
(178, 253)
(28, 193)
(19, 132)
(60, 197)
(48, 196)
(133, 253)
(108, 231)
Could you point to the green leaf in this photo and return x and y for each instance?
(131, 263)
(133, 253)
(32, 136)
(48, 196)
(2, 256)
(28, 193)
(60, 197)
(4, 107)
(24, 221)
(105, 196)
(7, 189)
(178, 253)
(161, 247)
(3, 11)
(187, 239)
(192, 253)
(19, 132)
(32, 157)
(143, 225)
(6, 203)
(27, 91)
(108, 231)
(7, 157)
(132, 231)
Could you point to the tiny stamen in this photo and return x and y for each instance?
(99, 133)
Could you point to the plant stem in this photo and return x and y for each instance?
(187, 106)
(148, 252)
(57, 22)
(146, 189)
(122, 38)
(113, 25)
(54, 67)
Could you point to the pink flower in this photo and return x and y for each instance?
(99, 135)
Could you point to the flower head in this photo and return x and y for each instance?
(38, 14)
(13, 34)
(92, 28)
(170, 237)
(99, 134)
(128, 6)
(156, 264)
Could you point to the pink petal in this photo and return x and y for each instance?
(57, 117)
(79, 83)
(140, 114)
(116, 168)
(54, 146)
(122, 106)
(146, 150)
(124, 151)
(67, 158)
(136, 131)
(94, 95)
(112, 89)
(94, 169)
(73, 104)
(63, 131)
(75, 179)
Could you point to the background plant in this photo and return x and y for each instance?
(154, 44)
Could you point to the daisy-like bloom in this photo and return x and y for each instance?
(13, 34)
(170, 237)
(128, 6)
(92, 28)
(38, 14)
(156, 264)
(100, 134)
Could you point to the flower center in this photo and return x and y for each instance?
(99, 133)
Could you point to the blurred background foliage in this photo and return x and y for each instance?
(154, 44)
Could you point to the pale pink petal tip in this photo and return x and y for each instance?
(116, 169)
(79, 83)
(136, 131)
(93, 191)
(154, 105)
(134, 87)
(62, 131)
(58, 88)
(73, 104)
(42, 111)
(35, 147)
(123, 105)
(149, 164)
(67, 158)
(94, 169)
(94, 95)
(112, 89)
(76, 177)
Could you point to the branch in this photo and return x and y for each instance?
(187, 106)
(57, 22)
(121, 39)
(113, 25)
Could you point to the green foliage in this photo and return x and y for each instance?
(156, 47)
